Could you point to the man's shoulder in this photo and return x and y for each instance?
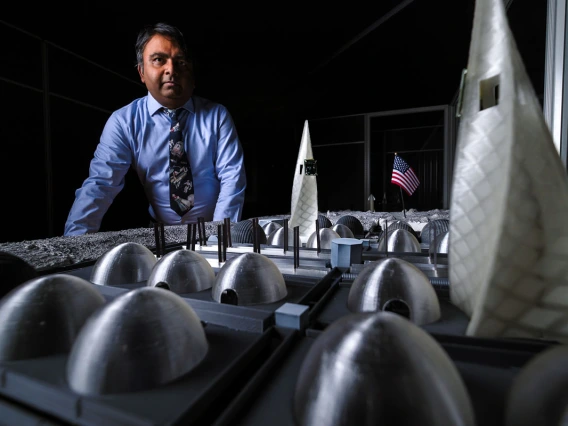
(132, 107)
(127, 114)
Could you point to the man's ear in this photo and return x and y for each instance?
(141, 72)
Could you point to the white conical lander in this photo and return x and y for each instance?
(304, 211)
(508, 248)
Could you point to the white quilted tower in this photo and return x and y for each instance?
(508, 249)
(304, 192)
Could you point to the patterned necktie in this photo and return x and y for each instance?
(181, 181)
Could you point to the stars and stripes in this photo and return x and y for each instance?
(404, 176)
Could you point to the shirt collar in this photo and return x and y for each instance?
(154, 106)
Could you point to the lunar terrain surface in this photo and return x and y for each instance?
(45, 254)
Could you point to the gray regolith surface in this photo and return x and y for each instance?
(55, 252)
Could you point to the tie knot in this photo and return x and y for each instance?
(175, 114)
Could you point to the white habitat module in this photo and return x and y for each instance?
(304, 211)
(508, 248)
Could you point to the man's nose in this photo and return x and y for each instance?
(171, 67)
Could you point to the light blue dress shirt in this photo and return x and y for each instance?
(137, 136)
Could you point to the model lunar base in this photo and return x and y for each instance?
(377, 318)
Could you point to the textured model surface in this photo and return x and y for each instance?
(44, 254)
(508, 251)
(304, 212)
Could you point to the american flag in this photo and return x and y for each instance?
(404, 176)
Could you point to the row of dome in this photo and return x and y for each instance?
(347, 226)
(62, 313)
(247, 279)
(149, 337)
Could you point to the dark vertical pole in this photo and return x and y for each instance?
(201, 229)
(188, 238)
(225, 240)
(318, 241)
(430, 236)
(228, 225)
(435, 250)
(296, 247)
(157, 239)
(386, 238)
(219, 251)
(285, 235)
(402, 199)
(257, 230)
(47, 139)
(193, 235)
(163, 237)
(254, 235)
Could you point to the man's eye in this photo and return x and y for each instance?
(158, 60)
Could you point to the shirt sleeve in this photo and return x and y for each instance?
(110, 163)
(230, 171)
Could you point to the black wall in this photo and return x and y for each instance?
(58, 89)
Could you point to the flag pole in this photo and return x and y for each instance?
(401, 196)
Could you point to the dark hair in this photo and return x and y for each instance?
(168, 31)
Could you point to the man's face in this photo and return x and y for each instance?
(167, 73)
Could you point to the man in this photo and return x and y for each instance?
(185, 149)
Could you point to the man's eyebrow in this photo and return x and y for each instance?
(165, 55)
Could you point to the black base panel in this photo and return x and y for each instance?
(14, 413)
(487, 375)
(197, 397)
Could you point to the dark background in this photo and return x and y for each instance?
(64, 70)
